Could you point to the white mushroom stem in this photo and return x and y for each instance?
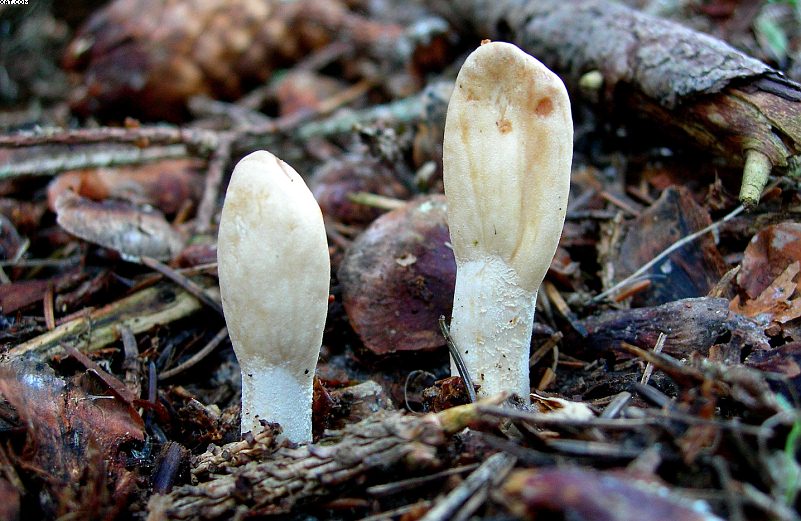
(274, 273)
(507, 154)
(493, 317)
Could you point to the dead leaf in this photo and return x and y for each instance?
(784, 361)
(690, 271)
(166, 185)
(119, 226)
(64, 422)
(779, 303)
(354, 172)
(767, 255)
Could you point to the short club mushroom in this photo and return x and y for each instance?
(274, 273)
(507, 156)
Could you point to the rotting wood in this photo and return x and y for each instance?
(386, 441)
(725, 101)
(693, 324)
(218, 461)
(150, 307)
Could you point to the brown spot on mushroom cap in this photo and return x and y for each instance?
(504, 126)
(544, 107)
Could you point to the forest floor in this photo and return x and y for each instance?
(665, 364)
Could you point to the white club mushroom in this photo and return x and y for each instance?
(507, 155)
(274, 273)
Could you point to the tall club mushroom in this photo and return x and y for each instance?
(507, 155)
(274, 273)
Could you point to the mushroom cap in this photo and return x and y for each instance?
(507, 155)
(274, 266)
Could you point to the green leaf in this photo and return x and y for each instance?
(772, 36)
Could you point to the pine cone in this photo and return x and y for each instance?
(146, 58)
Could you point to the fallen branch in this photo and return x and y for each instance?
(275, 483)
(150, 307)
(48, 160)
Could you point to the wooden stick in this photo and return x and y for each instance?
(154, 306)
